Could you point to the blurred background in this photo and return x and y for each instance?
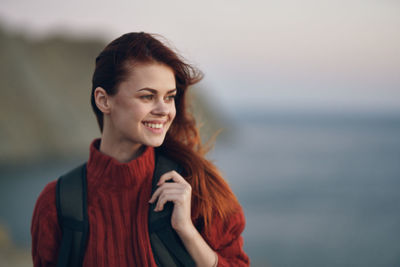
(307, 94)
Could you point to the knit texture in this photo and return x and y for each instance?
(118, 195)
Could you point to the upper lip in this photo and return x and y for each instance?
(155, 121)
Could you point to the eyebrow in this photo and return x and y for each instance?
(154, 91)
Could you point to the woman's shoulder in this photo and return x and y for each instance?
(45, 231)
(46, 202)
(234, 221)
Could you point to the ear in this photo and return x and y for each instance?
(102, 100)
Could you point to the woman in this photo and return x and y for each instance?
(139, 99)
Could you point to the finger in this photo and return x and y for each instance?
(172, 175)
(173, 197)
(180, 195)
(164, 186)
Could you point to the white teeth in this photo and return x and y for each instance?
(153, 125)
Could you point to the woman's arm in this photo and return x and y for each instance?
(198, 248)
(225, 237)
(45, 231)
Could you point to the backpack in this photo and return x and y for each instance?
(71, 202)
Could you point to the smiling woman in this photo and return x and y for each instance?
(140, 113)
(138, 96)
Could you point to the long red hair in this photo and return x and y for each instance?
(211, 194)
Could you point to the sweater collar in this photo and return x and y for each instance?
(105, 171)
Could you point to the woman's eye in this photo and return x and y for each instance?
(171, 97)
(147, 97)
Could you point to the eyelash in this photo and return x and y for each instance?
(171, 97)
(147, 97)
(150, 97)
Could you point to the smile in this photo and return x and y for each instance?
(153, 125)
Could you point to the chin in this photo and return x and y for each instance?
(155, 143)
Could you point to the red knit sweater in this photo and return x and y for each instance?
(118, 195)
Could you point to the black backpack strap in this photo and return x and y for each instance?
(71, 202)
(167, 247)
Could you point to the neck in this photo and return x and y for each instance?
(122, 151)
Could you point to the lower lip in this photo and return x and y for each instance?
(154, 130)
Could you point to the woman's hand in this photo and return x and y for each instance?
(180, 193)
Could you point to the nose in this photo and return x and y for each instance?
(161, 108)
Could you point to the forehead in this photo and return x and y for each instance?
(152, 75)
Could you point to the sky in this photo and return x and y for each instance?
(311, 55)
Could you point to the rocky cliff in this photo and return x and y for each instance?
(45, 97)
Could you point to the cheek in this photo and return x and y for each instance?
(173, 112)
(130, 116)
(138, 111)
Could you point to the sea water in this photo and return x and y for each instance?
(317, 190)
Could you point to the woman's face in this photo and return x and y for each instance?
(143, 108)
